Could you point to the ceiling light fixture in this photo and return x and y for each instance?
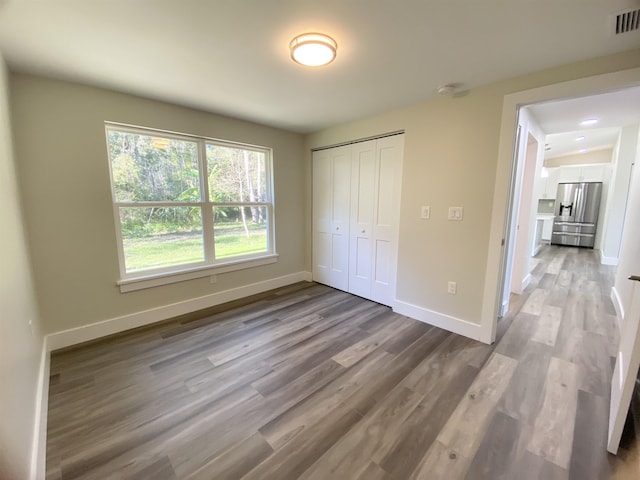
(581, 138)
(313, 49)
(588, 122)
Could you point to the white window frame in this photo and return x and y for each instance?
(209, 266)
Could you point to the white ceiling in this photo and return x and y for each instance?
(231, 57)
(560, 120)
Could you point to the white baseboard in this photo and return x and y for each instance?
(96, 330)
(608, 260)
(446, 322)
(39, 446)
(526, 282)
(617, 305)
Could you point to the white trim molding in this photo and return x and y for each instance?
(155, 280)
(608, 260)
(39, 445)
(85, 333)
(496, 252)
(441, 320)
(619, 308)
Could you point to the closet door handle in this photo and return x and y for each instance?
(635, 277)
(362, 231)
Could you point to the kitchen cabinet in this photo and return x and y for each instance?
(547, 228)
(583, 173)
(550, 183)
(356, 200)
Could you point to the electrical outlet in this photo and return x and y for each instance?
(425, 213)
(452, 288)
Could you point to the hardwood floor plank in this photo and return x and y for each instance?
(523, 396)
(463, 431)
(308, 357)
(404, 337)
(294, 458)
(441, 463)
(589, 457)
(514, 341)
(395, 371)
(535, 302)
(352, 453)
(237, 461)
(547, 326)
(374, 472)
(498, 450)
(553, 430)
(314, 408)
(557, 263)
(423, 425)
(534, 467)
(356, 352)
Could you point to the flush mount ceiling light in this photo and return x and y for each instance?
(313, 49)
(581, 138)
(588, 122)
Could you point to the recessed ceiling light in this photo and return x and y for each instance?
(588, 122)
(581, 138)
(313, 49)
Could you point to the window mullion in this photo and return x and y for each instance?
(207, 211)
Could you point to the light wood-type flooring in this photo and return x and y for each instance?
(313, 383)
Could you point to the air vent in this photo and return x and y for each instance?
(627, 21)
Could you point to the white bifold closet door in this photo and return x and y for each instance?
(373, 206)
(331, 197)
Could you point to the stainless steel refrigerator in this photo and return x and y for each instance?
(577, 206)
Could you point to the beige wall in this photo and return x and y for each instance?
(20, 347)
(63, 172)
(451, 150)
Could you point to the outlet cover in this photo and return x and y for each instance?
(452, 288)
(425, 212)
(455, 213)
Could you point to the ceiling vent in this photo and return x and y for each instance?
(627, 21)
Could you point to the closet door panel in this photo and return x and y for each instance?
(322, 237)
(363, 165)
(386, 214)
(331, 197)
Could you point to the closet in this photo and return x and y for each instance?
(356, 206)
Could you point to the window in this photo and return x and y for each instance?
(185, 204)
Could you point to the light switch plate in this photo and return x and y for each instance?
(425, 212)
(455, 213)
(452, 288)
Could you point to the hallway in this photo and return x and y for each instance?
(562, 330)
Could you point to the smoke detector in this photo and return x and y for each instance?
(447, 89)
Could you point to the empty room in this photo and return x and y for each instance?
(340, 240)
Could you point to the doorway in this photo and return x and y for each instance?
(615, 175)
(602, 152)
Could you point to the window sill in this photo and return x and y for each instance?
(165, 278)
